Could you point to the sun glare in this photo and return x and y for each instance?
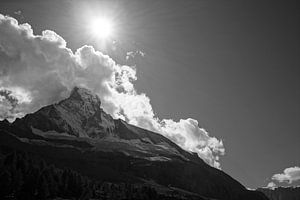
(101, 27)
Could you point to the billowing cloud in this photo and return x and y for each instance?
(271, 185)
(289, 175)
(10, 101)
(37, 70)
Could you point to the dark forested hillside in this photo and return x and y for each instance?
(27, 177)
(282, 193)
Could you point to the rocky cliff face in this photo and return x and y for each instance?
(282, 193)
(78, 134)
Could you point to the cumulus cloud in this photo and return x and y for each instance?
(271, 185)
(289, 175)
(11, 100)
(37, 70)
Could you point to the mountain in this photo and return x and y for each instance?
(281, 193)
(76, 133)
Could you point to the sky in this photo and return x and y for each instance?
(233, 66)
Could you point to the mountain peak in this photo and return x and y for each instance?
(79, 115)
(84, 95)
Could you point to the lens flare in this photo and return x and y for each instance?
(101, 27)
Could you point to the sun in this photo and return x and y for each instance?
(101, 27)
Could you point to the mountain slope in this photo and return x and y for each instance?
(78, 134)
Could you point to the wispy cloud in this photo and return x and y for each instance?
(133, 54)
(39, 70)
